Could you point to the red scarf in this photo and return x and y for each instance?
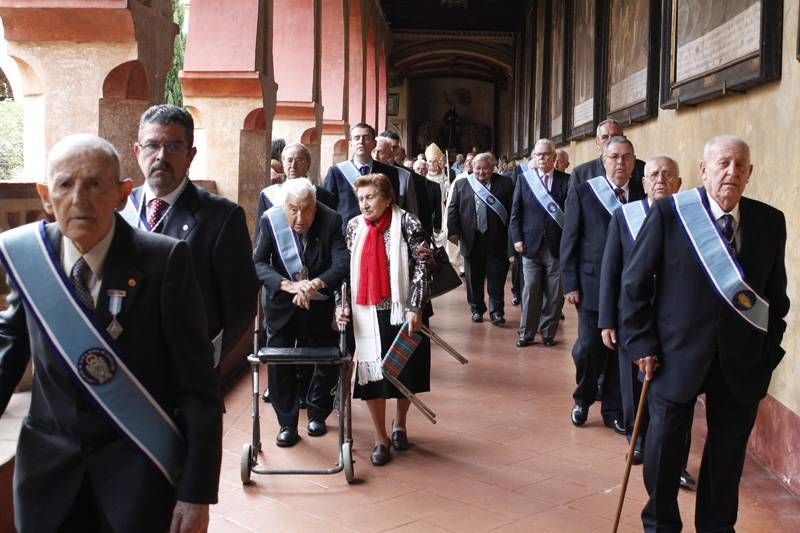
(373, 283)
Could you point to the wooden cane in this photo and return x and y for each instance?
(631, 448)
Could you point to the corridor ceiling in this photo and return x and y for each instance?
(452, 15)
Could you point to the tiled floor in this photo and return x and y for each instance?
(503, 456)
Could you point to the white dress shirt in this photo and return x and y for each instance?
(94, 258)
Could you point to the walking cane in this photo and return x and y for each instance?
(634, 436)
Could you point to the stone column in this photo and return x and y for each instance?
(297, 51)
(334, 78)
(87, 69)
(370, 81)
(383, 82)
(229, 88)
(356, 68)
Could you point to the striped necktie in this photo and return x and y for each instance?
(81, 272)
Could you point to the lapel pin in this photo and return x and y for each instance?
(185, 227)
(131, 282)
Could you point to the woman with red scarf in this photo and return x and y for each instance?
(390, 277)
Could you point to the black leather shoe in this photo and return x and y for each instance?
(638, 452)
(497, 318)
(380, 455)
(400, 440)
(548, 341)
(287, 437)
(579, 414)
(265, 396)
(477, 317)
(523, 342)
(316, 428)
(687, 481)
(514, 300)
(616, 425)
(301, 403)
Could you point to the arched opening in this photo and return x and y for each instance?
(340, 151)
(255, 120)
(310, 136)
(127, 81)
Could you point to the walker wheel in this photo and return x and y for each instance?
(245, 464)
(347, 461)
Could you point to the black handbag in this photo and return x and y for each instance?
(444, 277)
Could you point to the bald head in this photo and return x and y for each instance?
(661, 177)
(91, 146)
(83, 188)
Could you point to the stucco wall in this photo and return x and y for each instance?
(768, 118)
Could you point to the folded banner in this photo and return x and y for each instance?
(86, 350)
(395, 361)
(714, 254)
(543, 197)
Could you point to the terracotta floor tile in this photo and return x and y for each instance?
(467, 518)
(503, 455)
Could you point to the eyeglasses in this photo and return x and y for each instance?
(664, 176)
(299, 160)
(171, 147)
(626, 158)
(543, 154)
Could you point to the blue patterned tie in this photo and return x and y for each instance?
(480, 212)
(363, 170)
(727, 229)
(79, 276)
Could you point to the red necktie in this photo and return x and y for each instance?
(620, 192)
(157, 209)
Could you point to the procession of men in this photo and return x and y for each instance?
(167, 273)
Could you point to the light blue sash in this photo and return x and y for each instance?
(351, 173)
(86, 350)
(717, 260)
(604, 193)
(543, 196)
(134, 214)
(634, 214)
(488, 198)
(286, 242)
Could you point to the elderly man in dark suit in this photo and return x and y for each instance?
(588, 212)
(300, 258)
(537, 217)
(591, 169)
(661, 179)
(126, 414)
(215, 228)
(477, 219)
(712, 323)
(341, 176)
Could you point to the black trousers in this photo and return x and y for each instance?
(516, 277)
(284, 385)
(86, 514)
(630, 388)
(666, 451)
(592, 359)
(485, 265)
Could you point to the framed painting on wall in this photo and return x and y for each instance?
(713, 47)
(632, 60)
(586, 40)
(393, 104)
(557, 68)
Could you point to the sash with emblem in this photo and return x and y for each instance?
(286, 243)
(604, 193)
(86, 350)
(543, 196)
(488, 198)
(717, 259)
(350, 172)
(634, 214)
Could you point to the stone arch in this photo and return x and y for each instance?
(199, 119)
(30, 80)
(340, 151)
(127, 81)
(310, 136)
(256, 120)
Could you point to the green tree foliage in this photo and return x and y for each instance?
(10, 138)
(173, 93)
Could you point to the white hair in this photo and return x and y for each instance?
(292, 146)
(299, 188)
(82, 143)
(652, 161)
(487, 156)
